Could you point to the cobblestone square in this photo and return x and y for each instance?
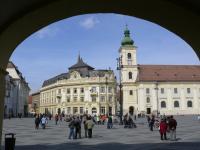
(55, 137)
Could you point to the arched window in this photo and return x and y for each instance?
(129, 60)
(176, 104)
(130, 75)
(163, 104)
(148, 100)
(129, 55)
(189, 104)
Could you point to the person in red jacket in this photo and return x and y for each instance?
(163, 129)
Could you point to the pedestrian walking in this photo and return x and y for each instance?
(56, 119)
(98, 119)
(90, 125)
(172, 128)
(44, 122)
(77, 127)
(85, 126)
(163, 129)
(151, 123)
(71, 128)
(198, 117)
(109, 123)
(37, 121)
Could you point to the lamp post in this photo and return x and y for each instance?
(119, 66)
(107, 109)
(156, 88)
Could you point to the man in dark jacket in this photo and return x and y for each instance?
(109, 123)
(151, 123)
(77, 127)
(172, 128)
(71, 128)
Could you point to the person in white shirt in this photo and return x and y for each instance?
(43, 122)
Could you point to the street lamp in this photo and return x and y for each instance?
(119, 66)
(156, 88)
(107, 109)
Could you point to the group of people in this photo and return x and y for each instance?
(166, 124)
(40, 119)
(75, 127)
(128, 122)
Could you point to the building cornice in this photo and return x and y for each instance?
(57, 85)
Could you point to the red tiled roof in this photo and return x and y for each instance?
(167, 73)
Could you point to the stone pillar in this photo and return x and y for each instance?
(2, 95)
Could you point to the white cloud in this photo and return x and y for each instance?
(89, 22)
(47, 32)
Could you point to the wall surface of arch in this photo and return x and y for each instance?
(19, 19)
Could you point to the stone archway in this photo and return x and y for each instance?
(19, 19)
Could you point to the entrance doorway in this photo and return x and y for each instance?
(131, 110)
(148, 110)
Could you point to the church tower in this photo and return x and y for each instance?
(129, 72)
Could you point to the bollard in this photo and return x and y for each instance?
(9, 141)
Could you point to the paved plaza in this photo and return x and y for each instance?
(54, 137)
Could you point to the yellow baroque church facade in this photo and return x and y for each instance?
(82, 90)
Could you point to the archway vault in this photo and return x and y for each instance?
(25, 18)
(19, 19)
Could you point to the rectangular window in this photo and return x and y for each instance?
(81, 110)
(102, 110)
(110, 98)
(59, 99)
(82, 90)
(131, 92)
(68, 98)
(102, 98)
(102, 90)
(93, 90)
(75, 110)
(109, 89)
(75, 99)
(162, 90)
(175, 90)
(93, 98)
(59, 91)
(68, 91)
(82, 99)
(147, 91)
(75, 90)
(188, 90)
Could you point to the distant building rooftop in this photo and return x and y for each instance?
(167, 73)
(84, 69)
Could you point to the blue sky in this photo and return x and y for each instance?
(97, 37)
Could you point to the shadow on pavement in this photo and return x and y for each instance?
(74, 145)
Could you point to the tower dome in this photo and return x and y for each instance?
(127, 41)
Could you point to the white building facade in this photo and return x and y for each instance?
(17, 92)
(157, 89)
(82, 90)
